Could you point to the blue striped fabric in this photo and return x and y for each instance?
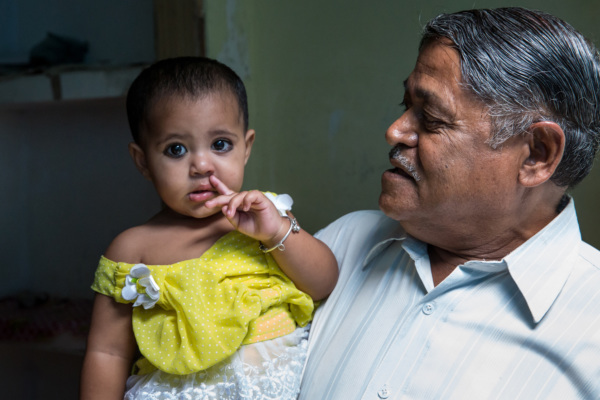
(525, 327)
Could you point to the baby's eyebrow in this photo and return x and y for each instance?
(172, 136)
(217, 132)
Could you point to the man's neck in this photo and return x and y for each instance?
(444, 257)
(443, 263)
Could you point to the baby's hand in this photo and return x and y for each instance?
(251, 213)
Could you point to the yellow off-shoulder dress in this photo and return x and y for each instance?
(229, 324)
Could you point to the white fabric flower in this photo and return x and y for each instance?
(140, 275)
(283, 202)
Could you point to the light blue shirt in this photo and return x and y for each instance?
(525, 327)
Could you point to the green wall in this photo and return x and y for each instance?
(324, 79)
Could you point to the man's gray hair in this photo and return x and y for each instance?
(529, 66)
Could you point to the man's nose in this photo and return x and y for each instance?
(402, 131)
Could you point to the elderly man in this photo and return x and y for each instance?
(474, 282)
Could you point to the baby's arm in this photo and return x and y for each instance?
(110, 350)
(307, 261)
(111, 345)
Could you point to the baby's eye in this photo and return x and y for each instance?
(175, 150)
(222, 145)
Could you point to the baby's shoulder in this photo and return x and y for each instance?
(129, 246)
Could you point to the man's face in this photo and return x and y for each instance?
(445, 175)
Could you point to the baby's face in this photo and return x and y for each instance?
(186, 141)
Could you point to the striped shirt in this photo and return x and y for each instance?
(525, 327)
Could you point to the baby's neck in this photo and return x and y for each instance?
(169, 217)
(173, 237)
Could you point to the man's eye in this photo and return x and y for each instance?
(222, 145)
(431, 123)
(405, 103)
(176, 150)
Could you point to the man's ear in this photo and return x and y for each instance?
(249, 139)
(139, 158)
(545, 143)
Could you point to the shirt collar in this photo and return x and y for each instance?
(390, 231)
(540, 266)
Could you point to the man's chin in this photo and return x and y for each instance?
(390, 206)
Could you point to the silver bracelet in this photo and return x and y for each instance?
(294, 227)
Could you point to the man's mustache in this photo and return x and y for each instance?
(395, 154)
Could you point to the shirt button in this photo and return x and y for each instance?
(383, 393)
(428, 308)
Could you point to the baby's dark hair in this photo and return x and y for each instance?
(186, 77)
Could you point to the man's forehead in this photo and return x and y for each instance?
(438, 59)
(437, 68)
(436, 80)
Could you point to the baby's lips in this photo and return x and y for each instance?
(201, 195)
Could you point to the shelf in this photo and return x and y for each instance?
(67, 83)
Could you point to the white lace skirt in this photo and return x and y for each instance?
(259, 371)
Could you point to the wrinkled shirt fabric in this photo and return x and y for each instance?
(524, 327)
